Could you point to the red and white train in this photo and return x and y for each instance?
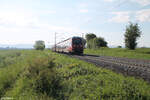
(71, 45)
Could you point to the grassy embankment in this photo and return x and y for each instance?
(140, 53)
(50, 76)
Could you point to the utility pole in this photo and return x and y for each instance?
(82, 35)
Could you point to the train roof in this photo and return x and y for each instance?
(69, 38)
(76, 37)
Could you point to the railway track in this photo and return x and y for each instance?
(132, 67)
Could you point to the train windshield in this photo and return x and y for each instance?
(77, 41)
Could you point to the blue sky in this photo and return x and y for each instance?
(25, 21)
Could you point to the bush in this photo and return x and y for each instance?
(39, 45)
(44, 76)
(119, 46)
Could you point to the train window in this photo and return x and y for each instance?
(77, 41)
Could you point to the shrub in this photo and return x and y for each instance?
(119, 46)
(39, 45)
(44, 76)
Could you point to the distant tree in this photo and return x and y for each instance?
(89, 38)
(39, 45)
(95, 42)
(119, 46)
(99, 42)
(131, 35)
(90, 44)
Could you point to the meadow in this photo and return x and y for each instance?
(139, 53)
(45, 75)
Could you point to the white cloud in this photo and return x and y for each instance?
(88, 19)
(120, 17)
(21, 18)
(109, 0)
(83, 5)
(17, 19)
(83, 10)
(141, 2)
(15, 35)
(123, 17)
(26, 20)
(47, 12)
(143, 15)
(25, 27)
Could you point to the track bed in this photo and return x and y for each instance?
(126, 66)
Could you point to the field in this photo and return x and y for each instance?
(140, 53)
(44, 75)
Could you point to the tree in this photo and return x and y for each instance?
(84, 42)
(90, 44)
(131, 35)
(89, 38)
(95, 42)
(39, 45)
(119, 46)
(99, 42)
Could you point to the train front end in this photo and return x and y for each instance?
(77, 45)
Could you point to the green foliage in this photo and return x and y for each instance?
(49, 76)
(39, 45)
(42, 71)
(119, 46)
(8, 57)
(94, 42)
(9, 74)
(90, 36)
(90, 44)
(99, 42)
(131, 35)
(139, 53)
(84, 81)
(39, 79)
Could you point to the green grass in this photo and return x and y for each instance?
(8, 57)
(83, 80)
(11, 66)
(140, 53)
(44, 75)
